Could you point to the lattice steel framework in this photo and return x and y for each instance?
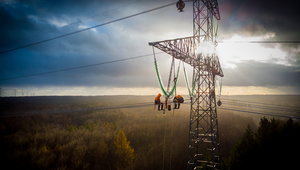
(203, 126)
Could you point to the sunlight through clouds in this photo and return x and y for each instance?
(238, 48)
(244, 64)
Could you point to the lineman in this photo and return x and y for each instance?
(177, 100)
(158, 102)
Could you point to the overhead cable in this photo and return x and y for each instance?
(84, 29)
(75, 68)
(136, 105)
(264, 41)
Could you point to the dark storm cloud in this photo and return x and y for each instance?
(23, 22)
(257, 16)
(31, 21)
(253, 73)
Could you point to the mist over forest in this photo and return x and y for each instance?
(57, 133)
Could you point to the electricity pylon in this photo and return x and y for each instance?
(203, 126)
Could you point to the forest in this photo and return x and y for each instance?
(36, 134)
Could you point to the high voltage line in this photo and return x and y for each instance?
(263, 106)
(264, 110)
(120, 19)
(261, 113)
(76, 68)
(268, 108)
(137, 105)
(85, 29)
(108, 62)
(123, 18)
(264, 41)
(258, 103)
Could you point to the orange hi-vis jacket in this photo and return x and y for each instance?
(178, 97)
(157, 98)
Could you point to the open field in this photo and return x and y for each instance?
(84, 133)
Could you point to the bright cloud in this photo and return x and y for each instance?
(236, 49)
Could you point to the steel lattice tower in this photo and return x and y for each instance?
(203, 126)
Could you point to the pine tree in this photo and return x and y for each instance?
(123, 152)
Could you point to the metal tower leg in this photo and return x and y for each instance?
(203, 129)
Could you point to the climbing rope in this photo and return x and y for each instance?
(169, 82)
(171, 144)
(170, 74)
(167, 93)
(175, 79)
(164, 144)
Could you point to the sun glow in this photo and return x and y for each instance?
(238, 48)
(206, 48)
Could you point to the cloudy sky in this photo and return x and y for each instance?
(248, 68)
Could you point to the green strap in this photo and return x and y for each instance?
(167, 94)
(159, 79)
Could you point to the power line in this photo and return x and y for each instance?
(258, 103)
(265, 111)
(262, 105)
(265, 114)
(265, 42)
(123, 18)
(263, 108)
(75, 68)
(136, 105)
(272, 113)
(85, 29)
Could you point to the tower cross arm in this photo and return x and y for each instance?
(180, 48)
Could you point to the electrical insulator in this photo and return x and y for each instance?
(180, 5)
(219, 103)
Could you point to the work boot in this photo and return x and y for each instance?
(175, 106)
(169, 107)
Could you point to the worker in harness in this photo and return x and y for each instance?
(158, 102)
(177, 100)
